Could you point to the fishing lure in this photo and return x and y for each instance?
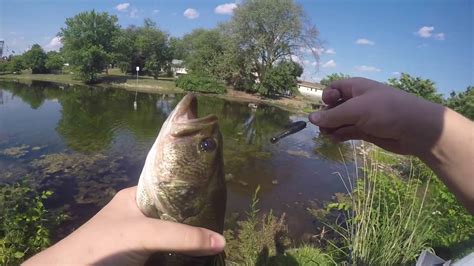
(291, 129)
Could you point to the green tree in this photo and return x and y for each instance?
(153, 45)
(333, 77)
(15, 64)
(54, 61)
(146, 47)
(424, 88)
(35, 58)
(281, 79)
(270, 31)
(207, 53)
(463, 102)
(88, 42)
(177, 48)
(126, 55)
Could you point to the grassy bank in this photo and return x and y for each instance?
(116, 79)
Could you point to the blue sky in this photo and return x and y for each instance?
(369, 38)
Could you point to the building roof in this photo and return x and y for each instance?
(310, 84)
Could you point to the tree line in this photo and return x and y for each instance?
(253, 51)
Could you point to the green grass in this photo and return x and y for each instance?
(309, 255)
(115, 78)
(385, 219)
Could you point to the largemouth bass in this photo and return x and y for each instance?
(183, 177)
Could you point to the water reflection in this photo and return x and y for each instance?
(166, 104)
(94, 143)
(340, 152)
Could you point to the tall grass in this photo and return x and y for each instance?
(385, 223)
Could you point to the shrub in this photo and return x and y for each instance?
(452, 223)
(25, 227)
(197, 83)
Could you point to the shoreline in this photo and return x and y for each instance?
(295, 105)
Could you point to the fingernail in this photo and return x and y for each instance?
(315, 117)
(217, 242)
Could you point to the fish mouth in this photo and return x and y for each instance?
(187, 112)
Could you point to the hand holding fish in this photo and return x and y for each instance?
(397, 121)
(120, 234)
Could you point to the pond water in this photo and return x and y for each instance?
(86, 143)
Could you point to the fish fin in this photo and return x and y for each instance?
(144, 202)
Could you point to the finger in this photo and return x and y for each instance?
(345, 114)
(158, 235)
(331, 96)
(348, 133)
(353, 133)
(387, 144)
(352, 87)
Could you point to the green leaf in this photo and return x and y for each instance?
(19, 254)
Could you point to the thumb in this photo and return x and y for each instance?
(175, 237)
(347, 113)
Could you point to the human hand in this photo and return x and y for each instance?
(120, 234)
(364, 109)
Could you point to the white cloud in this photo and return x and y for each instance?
(318, 51)
(54, 44)
(308, 50)
(422, 45)
(155, 11)
(191, 13)
(425, 31)
(122, 7)
(363, 41)
(365, 68)
(225, 9)
(295, 58)
(396, 73)
(134, 13)
(439, 36)
(314, 63)
(329, 64)
(428, 32)
(330, 51)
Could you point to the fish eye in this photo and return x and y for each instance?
(207, 145)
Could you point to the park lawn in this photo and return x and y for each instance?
(115, 78)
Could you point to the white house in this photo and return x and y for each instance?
(178, 68)
(311, 89)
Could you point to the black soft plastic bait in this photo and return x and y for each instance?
(291, 129)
